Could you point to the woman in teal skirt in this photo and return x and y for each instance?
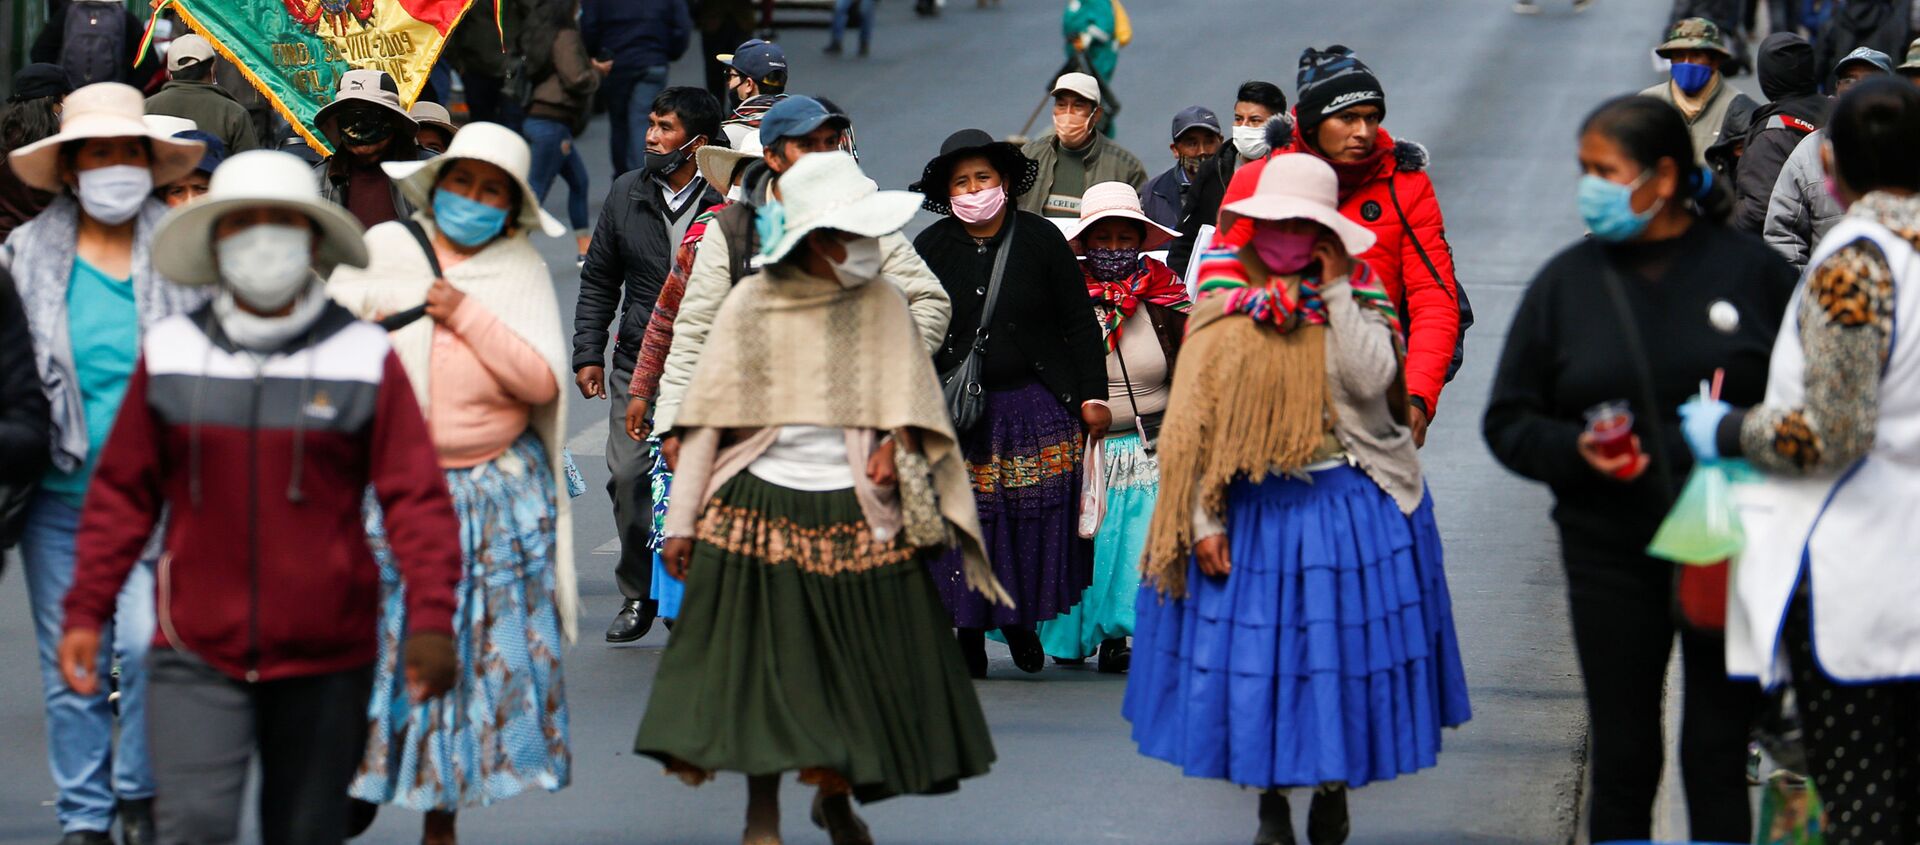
(1142, 309)
(813, 481)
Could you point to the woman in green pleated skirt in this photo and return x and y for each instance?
(811, 638)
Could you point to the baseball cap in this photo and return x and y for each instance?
(187, 50)
(1881, 61)
(1082, 84)
(794, 117)
(1193, 116)
(758, 59)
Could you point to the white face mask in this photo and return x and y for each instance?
(113, 194)
(862, 263)
(1251, 141)
(266, 265)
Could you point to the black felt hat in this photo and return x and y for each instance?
(1016, 170)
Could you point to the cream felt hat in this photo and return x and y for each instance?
(1110, 200)
(183, 243)
(1302, 187)
(103, 110)
(489, 142)
(718, 164)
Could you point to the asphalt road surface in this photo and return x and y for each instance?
(1496, 98)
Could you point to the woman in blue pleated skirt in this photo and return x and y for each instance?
(1293, 624)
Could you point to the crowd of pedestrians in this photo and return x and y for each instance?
(283, 439)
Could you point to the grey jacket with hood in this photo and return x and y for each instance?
(1801, 211)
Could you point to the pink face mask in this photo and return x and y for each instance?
(979, 206)
(1284, 252)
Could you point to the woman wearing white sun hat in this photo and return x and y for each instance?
(85, 273)
(487, 368)
(813, 639)
(1294, 627)
(255, 427)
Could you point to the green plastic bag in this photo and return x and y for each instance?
(1704, 526)
(1790, 813)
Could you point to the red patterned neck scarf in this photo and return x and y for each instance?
(1153, 282)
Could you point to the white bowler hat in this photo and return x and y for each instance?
(104, 110)
(183, 243)
(489, 142)
(828, 191)
(1109, 200)
(1302, 187)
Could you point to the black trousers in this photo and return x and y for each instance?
(631, 487)
(1623, 630)
(1863, 744)
(204, 729)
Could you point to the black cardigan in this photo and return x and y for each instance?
(1043, 309)
(1565, 355)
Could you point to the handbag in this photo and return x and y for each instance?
(921, 523)
(960, 386)
(1699, 592)
(1093, 488)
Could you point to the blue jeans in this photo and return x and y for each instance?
(629, 101)
(840, 9)
(90, 768)
(548, 139)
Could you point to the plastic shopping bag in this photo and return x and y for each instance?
(1093, 488)
(1790, 813)
(1703, 528)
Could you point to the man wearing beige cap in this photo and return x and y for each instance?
(191, 93)
(1075, 154)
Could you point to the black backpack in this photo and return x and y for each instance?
(94, 43)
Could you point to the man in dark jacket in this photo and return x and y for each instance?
(191, 93)
(641, 38)
(1255, 105)
(646, 214)
(23, 416)
(1196, 141)
(366, 127)
(1794, 109)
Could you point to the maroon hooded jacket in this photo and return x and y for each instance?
(261, 468)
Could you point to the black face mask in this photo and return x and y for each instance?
(366, 128)
(663, 165)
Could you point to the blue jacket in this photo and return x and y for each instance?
(638, 33)
(1163, 200)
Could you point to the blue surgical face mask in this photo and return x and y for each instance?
(1607, 207)
(464, 221)
(770, 223)
(1691, 78)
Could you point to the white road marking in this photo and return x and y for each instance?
(591, 441)
(610, 547)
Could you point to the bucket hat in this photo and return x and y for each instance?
(828, 191)
(718, 164)
(1017, 171)
(370, 87)
(1693, 34)
(103, 110)
(1302, 187)
(430, 113)
(183, 244)
(1117, 200)
(489, 142)
(1912, 64)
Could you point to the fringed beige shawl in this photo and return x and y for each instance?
(791, 349)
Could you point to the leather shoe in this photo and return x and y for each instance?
(1276, 819)
(86, 837)
(1028, 655)
(136, 822)
(633, 621)
(1115, 656)
(1327, 821)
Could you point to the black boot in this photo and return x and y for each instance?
(1025, 645)
(1327, 822)
(1115, 656)
(136, 822)
(1276, 819)
(633, 621)
(834, 814)
(973, 649)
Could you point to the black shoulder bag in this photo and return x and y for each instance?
(396, 322)
(966, 398)
(1459, 290)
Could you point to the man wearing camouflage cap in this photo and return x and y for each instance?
(1698, 51)
(1910, 69)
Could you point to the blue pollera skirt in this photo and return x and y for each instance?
(1327, 655)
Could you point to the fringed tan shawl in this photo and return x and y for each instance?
(1247, 400)
(792, 349)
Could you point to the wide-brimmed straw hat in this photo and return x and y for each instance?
(828, 191)
(183, 244)
(103, 110)
(718, 164)
(1302, 187)
(489, 142)
(1116, 200)
(1017, 171)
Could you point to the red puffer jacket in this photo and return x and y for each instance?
(1429, 306)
